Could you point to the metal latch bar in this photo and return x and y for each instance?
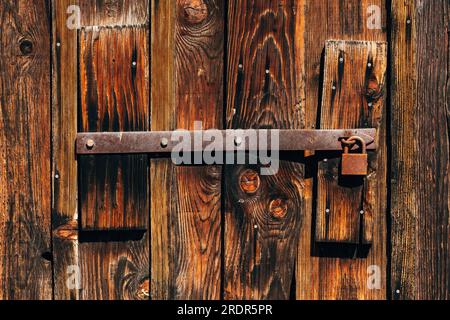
(162, 141)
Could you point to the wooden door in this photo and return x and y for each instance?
(139, 227)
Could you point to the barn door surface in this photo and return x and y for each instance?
(221, 231)
(115, 222)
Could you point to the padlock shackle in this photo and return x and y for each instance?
(348, 143)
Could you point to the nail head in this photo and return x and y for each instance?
(164, 142)
(90, 144)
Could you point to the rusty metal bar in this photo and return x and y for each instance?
(165, 141)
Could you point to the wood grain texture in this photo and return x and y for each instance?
(322, 275)
(25, 202)
(119, 261)
(187, 86)
(64, 165)
(420, 150)
(113, 86)
(354, 92)
(262, 226)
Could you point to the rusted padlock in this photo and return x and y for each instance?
(354, 164)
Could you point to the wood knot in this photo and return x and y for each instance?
(143, 292)
(249, 181)
(26, 47)
(193, 11)
(278, 208)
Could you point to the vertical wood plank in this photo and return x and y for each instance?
(331, 277)
(64, 165)
(420, 150)
(113, 86)
(354, 92)
(187, 86)
(25, 201)
(263, 213)
(111, 266)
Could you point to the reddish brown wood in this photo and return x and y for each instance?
(25, 202)
(261, 226)
(354, 91)
(112, 266)
(113, 85)
(420, 267)
(187, 74)
(324, 275)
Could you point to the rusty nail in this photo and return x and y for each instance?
(90, 144)
(164, 143)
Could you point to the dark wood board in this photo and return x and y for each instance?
(420, 150)
(25, 236)
(332, 273)
(109, 265)
(354, 95)
(113, 85)
(187, 86)
(262, 213)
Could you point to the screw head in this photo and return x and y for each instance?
(238, 141)
(90, 144)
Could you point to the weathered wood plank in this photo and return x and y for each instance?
(113, 86)
(64, 165)
(263, 213)
(25, 201)
(187, 86)
(120, 266)
(354, 91)
(420, 150)
(330, 277)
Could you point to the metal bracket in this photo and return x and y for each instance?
(161, 141)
